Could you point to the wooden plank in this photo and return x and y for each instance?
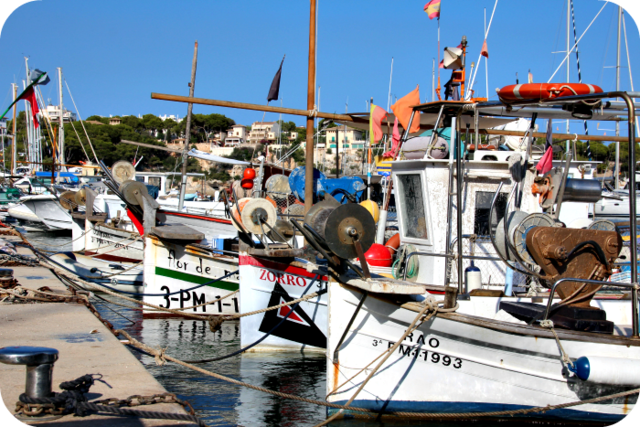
(245, 106)
(157, 147)
(177, 232)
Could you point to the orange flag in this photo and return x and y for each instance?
(403, 108)
(485, 50)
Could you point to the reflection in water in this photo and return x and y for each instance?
(217, 402)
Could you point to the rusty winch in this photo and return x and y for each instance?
(576, 253)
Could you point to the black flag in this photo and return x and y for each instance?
(274, 90)
(298, 327)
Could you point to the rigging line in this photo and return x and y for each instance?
(575, 36)
(80, 118)
(79, 140)
(486, 34)
(555, 47)
(574, 46)
(606, 50)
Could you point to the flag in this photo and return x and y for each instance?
(485, 50)
(433, 9)
(441, 65)
(546, 162)
(35, 76)
(375, 123)
(29, 95)
(296, 327)
(274, 90)
(396, 142)
(530, 77)
(404, 107)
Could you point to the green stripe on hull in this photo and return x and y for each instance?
(197, 280)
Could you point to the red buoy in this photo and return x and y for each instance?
(378, 255)
(249, 173)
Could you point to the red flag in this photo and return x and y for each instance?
(485, 50)
(403, 109)
(30, 96)
(433, 9)
(396, 142)
(441, 65)
(546, 162)
(375, 123)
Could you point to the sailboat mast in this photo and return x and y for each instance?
(14, 140)
(187, 137)
(311, 96)
(61, 159)
(568, 144)
(617, 89)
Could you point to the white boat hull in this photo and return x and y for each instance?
(102, 272)
(456, 363)
(48, 210)
(266, 283)
(112, 244)
(23, 213)
(176, 277)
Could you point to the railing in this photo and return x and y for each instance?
(632, 286)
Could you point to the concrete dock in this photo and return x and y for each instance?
(85, 346)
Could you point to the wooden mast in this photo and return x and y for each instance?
(311, 96)
(187, 137)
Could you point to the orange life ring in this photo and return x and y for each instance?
(545, 91)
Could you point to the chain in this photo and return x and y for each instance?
(18, 260)
(73, 400)
(137, 400)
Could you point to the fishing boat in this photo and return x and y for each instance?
(488, 353)
(119, 277)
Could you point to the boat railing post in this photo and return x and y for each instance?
(433, 133)
(632, 209)
(456, 142)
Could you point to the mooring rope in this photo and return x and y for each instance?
(161, 358)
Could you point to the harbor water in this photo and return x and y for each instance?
(217, 402)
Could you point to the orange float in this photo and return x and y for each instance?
(542, 91)
(393, 243)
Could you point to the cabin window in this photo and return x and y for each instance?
(483, 207)
(413, 206)
(154, 180)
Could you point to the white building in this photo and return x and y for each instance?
(236, 135)
(264, 130)
(353, 138)
(176, 119)
(53, 113)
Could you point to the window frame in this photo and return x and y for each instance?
(400, 208)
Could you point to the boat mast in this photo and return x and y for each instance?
(14, 139)
(617, 177)
(187, 137)
(61, 159)
(568, 143)
(311, 96)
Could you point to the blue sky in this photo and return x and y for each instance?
(114, 54)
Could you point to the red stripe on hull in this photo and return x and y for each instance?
(109, 257)
(272, 265)
(204, 218)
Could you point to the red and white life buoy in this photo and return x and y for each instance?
(545, 91)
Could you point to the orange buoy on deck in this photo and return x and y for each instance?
(545, 91)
